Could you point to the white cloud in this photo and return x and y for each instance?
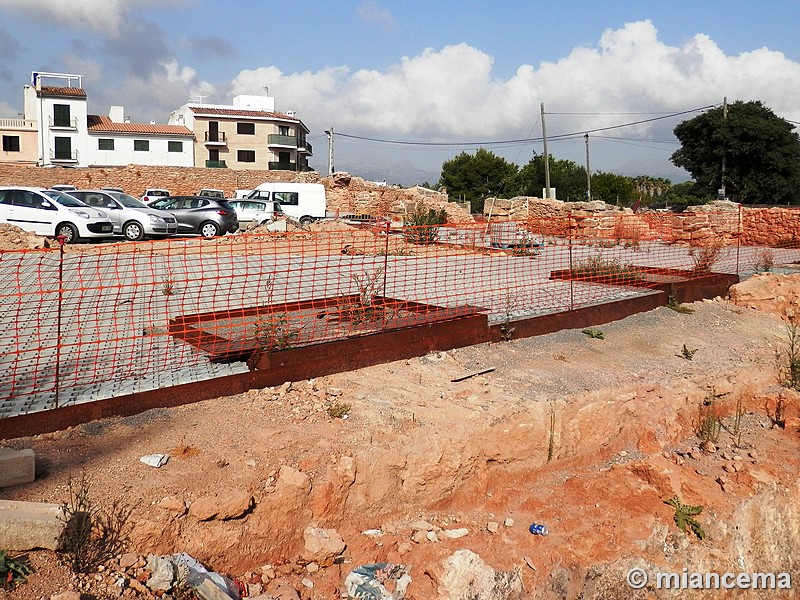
(100, 15)
(450, 94)
(370, 11)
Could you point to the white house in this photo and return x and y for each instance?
(67, 135)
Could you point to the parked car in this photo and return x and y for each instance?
(255, 211)
(131, 218)
(151, 194)
(112, 189)
(209, 217)
(210, 193)
(52, 213)
(63, 187)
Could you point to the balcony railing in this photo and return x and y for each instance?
(275, 139)
(216, 164)
(71, 156)
(305, 148)
(71, 123)
(282, 166)
(18, 124)
(216, 137)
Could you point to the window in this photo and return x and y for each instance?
(105, 144)
(61, 116)
(174, 146)
(283, 130)
(11, 143)
(292, 198)
(141, 145)
(246, 156)
(63, 148)
(246, 128)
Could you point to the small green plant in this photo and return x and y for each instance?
(551, 442)
(765, 260)
(673, 304)
(705, 257)
(92, 535)
(13, 569)
(273, 332)
(593, 333)
(789, 359)
(422, 226)
(367, 307)
(708, 424)
(688, 354)
(168, 288)
(338, 410)
(685, 516)
(506, 329)
(599, 267)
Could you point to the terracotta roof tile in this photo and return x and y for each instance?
(101, 123)
(234, 112)
(50, 90)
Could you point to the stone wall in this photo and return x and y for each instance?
(135, 179)
(346, 193)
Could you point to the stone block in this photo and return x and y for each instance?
(17, 466)
(29, 525)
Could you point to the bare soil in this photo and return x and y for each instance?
(586, 436)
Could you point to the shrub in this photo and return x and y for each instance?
(421, 227)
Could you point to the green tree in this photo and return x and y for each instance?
(566, 176)
(476, 177)
(761, 152)
(613, 188)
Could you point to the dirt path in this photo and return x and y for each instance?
(473, 454)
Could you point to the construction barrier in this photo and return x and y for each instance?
(95, 321)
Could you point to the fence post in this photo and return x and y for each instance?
(61, 241)
(569, 239)
(740, 230)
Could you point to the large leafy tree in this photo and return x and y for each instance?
(476, 177)
(566, 176)
(761, 152)
(613, 188)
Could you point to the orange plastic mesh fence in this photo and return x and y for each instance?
(87, 322)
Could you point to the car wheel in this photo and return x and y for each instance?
(306, 220)
(133, 231)
(68, 231)
(209, 229)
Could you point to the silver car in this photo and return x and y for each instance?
(131, 217)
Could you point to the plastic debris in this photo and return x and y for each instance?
(367, 581)
(155, 460)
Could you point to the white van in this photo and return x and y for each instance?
(306, 202)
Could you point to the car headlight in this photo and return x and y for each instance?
(156, 219)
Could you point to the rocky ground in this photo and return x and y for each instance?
(424, 463)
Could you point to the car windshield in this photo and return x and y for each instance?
(166, 203)
(127, 200)
(64, 199)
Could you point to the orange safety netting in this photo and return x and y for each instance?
(95, 321)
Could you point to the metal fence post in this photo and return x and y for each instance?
(571, 285)
(61, 241)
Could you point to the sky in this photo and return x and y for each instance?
(406, 85)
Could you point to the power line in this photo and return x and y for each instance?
(523, 140)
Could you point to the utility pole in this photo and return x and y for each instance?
(329, 133)
(588, 172)
(724, 128)
(546, 158)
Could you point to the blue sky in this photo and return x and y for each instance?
(456, 74)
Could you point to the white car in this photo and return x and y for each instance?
(255, 211)
(52, 213)
(131, 218)
(153, 194)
